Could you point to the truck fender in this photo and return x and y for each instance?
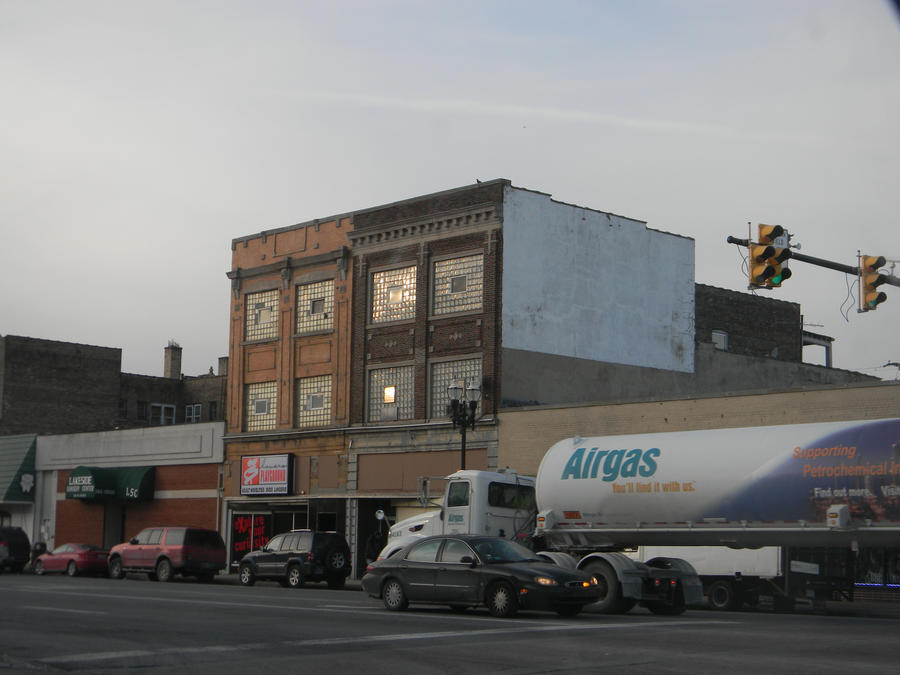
(691, 584)
(630, 573)
(558, 558)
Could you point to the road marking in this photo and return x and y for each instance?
(514, 627)
(62, 609)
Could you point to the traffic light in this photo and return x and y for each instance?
(870, 280)
(767, 256)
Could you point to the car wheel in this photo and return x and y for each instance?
(72, 569)
(393, 596)
(335, 560)
(38, 568)
(246, 575)
(569, 610)
(294, 576)
(115, 569)
(164, 570)
(501, 600)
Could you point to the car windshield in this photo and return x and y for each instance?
(493, 551)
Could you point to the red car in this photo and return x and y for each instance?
(73, 559)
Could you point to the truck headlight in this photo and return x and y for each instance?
(546, 581)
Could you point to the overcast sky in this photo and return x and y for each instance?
(137, 139)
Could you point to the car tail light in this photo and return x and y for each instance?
(310, 557)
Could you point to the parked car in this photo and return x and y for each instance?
(466, 571)
(295, 557)
(163, 552)
(15, 550)
(73, 559)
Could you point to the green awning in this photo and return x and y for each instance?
(88, 482)
(131, 483)
(17, 474)
(135, 482)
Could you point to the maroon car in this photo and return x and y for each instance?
(73, 559)
(163, 552)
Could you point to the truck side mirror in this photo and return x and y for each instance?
(442, 513)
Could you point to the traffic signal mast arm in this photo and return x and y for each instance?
(889, 279)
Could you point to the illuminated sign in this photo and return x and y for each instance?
(266, 475)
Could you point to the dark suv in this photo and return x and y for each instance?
(15, 551)
(296, 557)
(163, 552)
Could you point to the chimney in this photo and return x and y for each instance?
(223, 365)
(172, 364)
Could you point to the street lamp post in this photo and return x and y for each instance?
(463, 402)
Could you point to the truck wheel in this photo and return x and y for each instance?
(501, 600)
(723, 596)
(611, 600)
(246, 575)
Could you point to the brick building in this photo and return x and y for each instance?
(50, 391)
(346, 332)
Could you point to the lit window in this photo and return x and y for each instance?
(394, 295)
(458, 285)
(391, 393)
(262, 316)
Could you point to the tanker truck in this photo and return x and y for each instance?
(811, 497)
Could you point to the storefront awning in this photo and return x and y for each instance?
(129, 483)
(17, 475)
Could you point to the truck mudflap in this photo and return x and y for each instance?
(679, 574)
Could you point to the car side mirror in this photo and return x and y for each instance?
(133, 541)
(468, 560)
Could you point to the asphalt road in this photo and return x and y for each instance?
(89, 625)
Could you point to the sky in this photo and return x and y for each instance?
(139, 138)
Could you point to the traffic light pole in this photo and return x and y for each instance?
(848, 269)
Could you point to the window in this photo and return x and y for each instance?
(154, 536)
(393, 295)
(506, 496)
(260, 406)
(455, 550)
(391, 394)
(458, 494)
(720, 340)
(458, 285)
(443, 374)
(312, 398)
(192, 412)
(424, 552)
(261, 322)
(143, 411)
(213, 411)
(162, 414)
(315, 307)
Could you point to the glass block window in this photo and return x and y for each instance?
(315, 307)
(261, 401)
(458, 284)
(261, 322)
(312, 401)
(394, 295)
(445, 373)
(391, 394)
